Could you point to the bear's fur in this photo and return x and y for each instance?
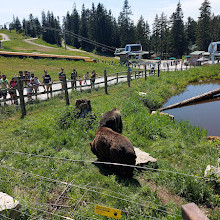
(110, 146)
(112, 119)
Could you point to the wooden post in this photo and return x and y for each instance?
(117, 77)
(21, 97)
(135, 75)
(106, 83)
(129, 77)
(65, 90)
(192, 212)
(145, 72)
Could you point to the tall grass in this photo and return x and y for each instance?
(50, 128)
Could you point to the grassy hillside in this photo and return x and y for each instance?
(50, 129)
(17, 43)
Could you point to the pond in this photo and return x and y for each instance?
(205, 114)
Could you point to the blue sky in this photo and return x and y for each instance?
(147, 8)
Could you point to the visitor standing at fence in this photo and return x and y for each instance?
(80, 83)
(47, 81)
(73, 78)
(29, 89)
(85, 77)
(61, 74)
(12, 91)
(92, 79)
(4, 85)
(35, 82)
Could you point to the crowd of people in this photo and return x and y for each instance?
(31, 83)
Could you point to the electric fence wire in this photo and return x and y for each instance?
(82, 187)
(77, 200)
(109, 163)
(5, 217)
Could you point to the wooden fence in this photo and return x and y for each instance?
(68, 85)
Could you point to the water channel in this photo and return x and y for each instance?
(205, 114)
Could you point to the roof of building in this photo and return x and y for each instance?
(197, 52)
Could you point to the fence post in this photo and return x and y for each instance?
(106, 83)
(135, 75)
(117, 78)
(65, 90)
(129, 76)
(192, 212)
(21, 97)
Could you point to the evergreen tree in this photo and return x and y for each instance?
(83, 30)
(155, 38)
(125, 23)
(215, 28)
(141, 35)
(191, 26)
(203, 28)
(178, 38)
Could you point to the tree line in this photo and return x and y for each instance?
(96, 29)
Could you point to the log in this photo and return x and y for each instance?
(195, 99)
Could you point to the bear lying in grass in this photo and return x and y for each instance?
(112, 119)
(110, 146)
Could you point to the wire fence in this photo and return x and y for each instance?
(88, 189)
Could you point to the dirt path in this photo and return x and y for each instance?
(71, 49)
(5, 37)
(30, 41)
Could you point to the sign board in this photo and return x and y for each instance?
(109, 212)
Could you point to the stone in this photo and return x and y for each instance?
(162, 113)
(143, 157)
(212, 170)
(8, 206)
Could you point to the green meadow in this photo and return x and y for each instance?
(51, 129)
(49, 148)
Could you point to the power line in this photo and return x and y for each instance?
(112, 49)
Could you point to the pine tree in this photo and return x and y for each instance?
(203, 28)
(190, 27)
(83, 30)
(125, 23)
(178, 37)
(155, 38)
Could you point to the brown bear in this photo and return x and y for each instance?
(112, 119)
(110, 146)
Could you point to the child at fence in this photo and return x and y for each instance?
(92, 79)
(80, 83)
(35, 82)
(85, 77)
(29, 89)
(61, 74)
(4, 85)
(73, 78)
(12, 91)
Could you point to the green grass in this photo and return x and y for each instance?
(11, 67)
(51, 129)
(16, 44)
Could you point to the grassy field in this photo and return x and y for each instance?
(11, 67)
(17, 43)
(51, 129)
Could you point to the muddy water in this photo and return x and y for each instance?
(205, 115)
